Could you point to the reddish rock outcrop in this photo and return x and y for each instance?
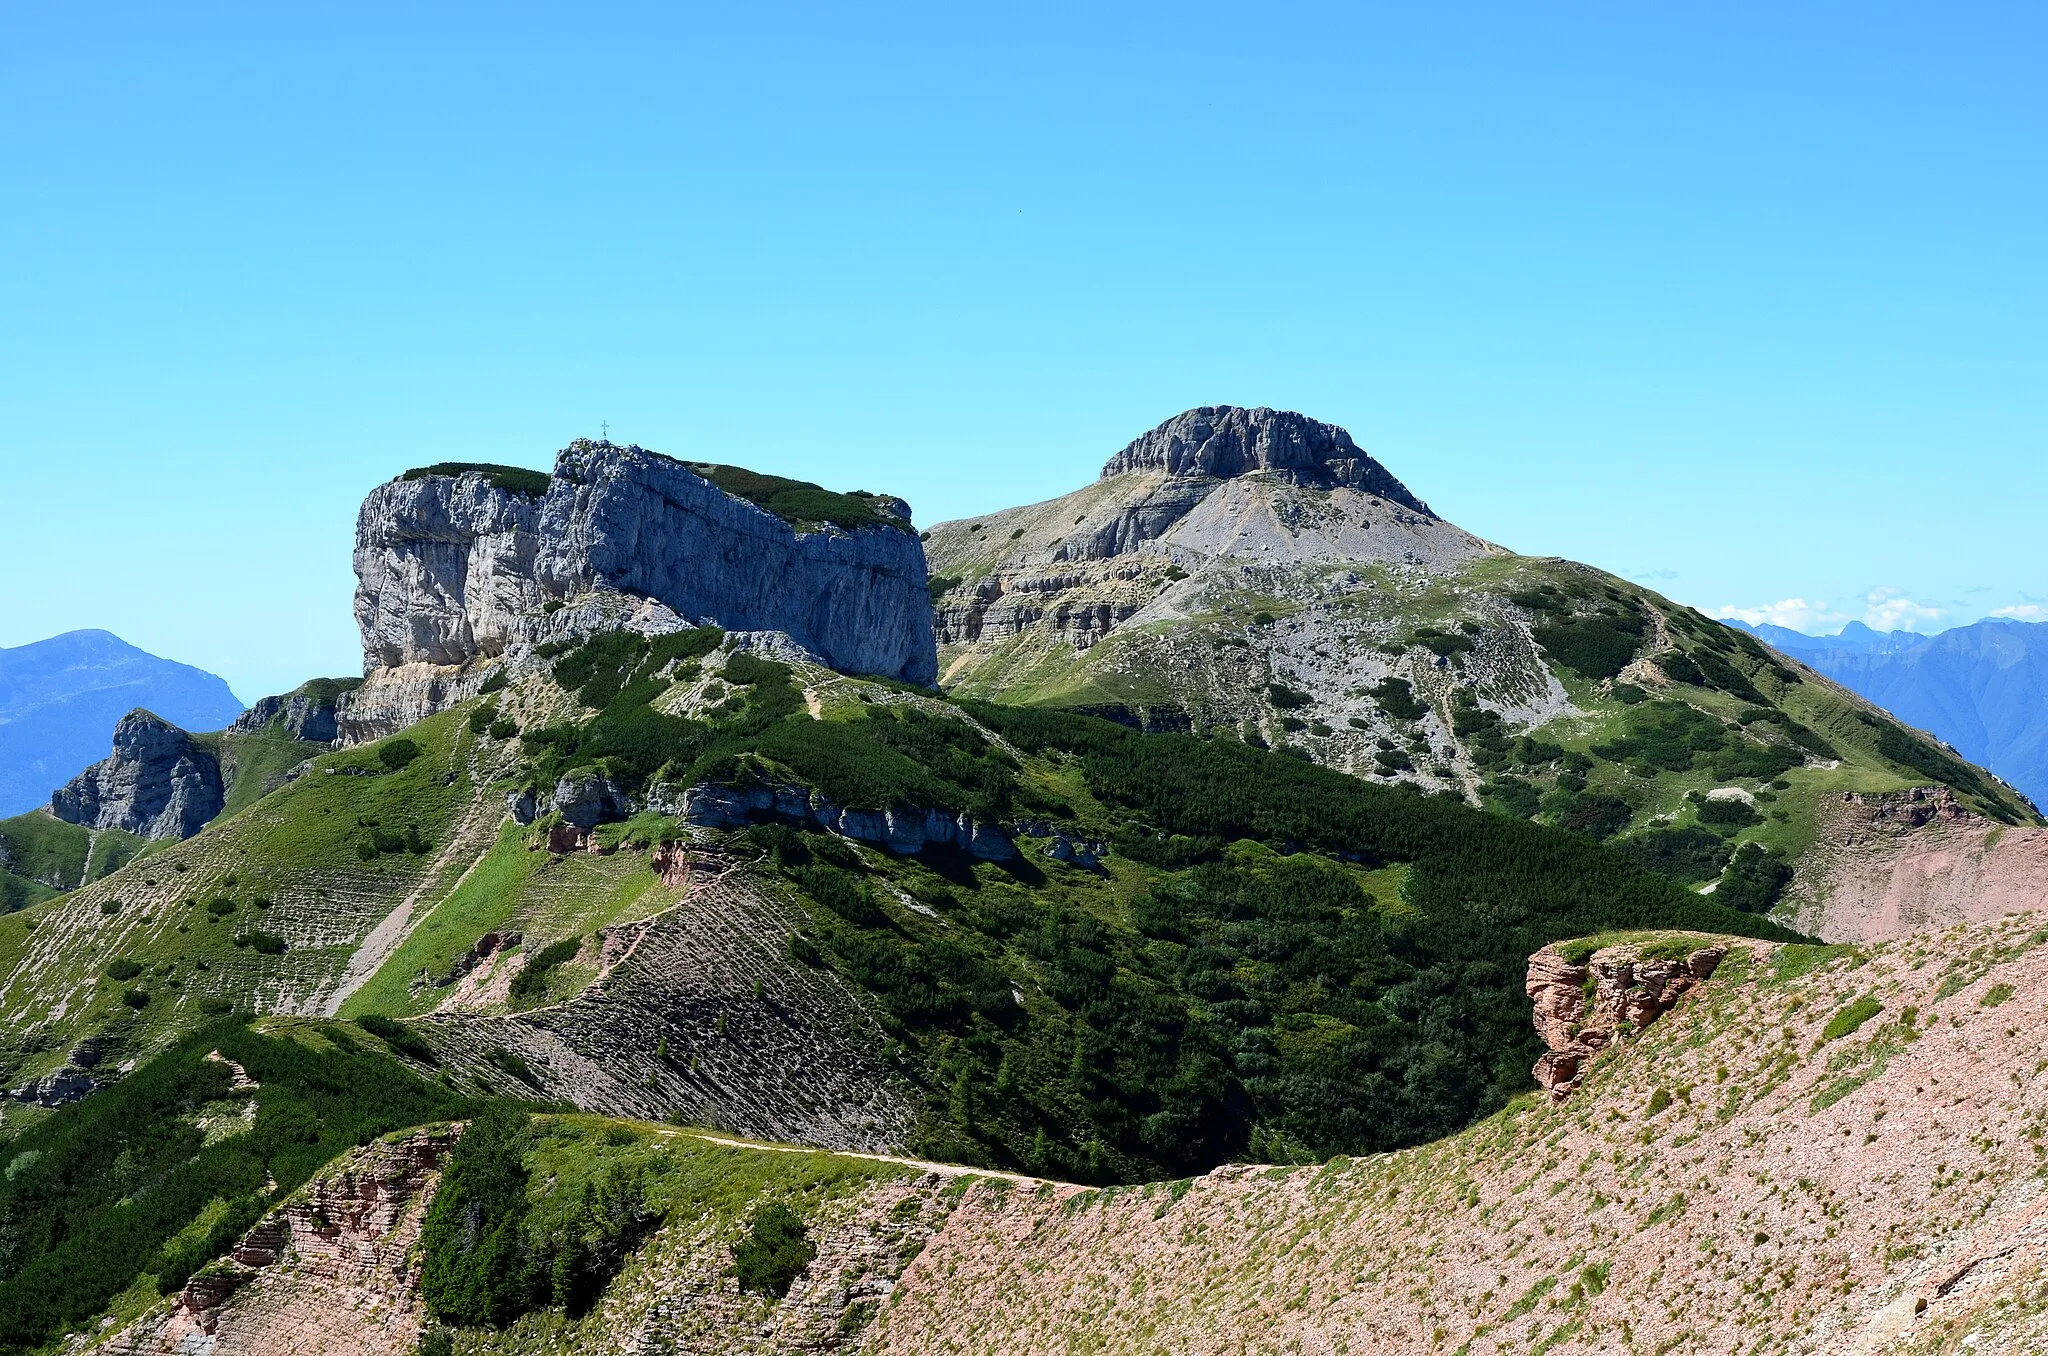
(672, 863)
(1581, 1008)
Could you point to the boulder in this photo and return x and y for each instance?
(587, 799)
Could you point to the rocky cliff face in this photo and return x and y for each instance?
(1217, 442)
(309, 712)
(158, 782)
(1582, 1005)
(452, 570)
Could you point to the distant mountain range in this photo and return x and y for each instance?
(1983, 688)
(60, 699)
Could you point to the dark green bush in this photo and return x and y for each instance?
(477, 1270)
(942, 584)
(1599, 645)
(1286, 698)
(399, 1037)
(1597, 816)
(1754, 881)
(123, 970)
(530, 985)
(776, 1250)
(513, 479)
(263, 943)
(513, 1063)
(1728, 815)
(1688, 855)
(1397, 699)
(797, 502)
(396, 754)
(135, 998)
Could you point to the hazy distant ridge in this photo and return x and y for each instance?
(60, 698)
(1983, 688)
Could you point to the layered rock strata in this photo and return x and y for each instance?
(158, 782)
(900, 829)
(1582, 1007)
(452, 570)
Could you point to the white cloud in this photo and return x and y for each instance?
(2029, 612)
(1796, 614)
(1892, 610)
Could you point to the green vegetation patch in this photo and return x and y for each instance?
(1851, 1017)
(798, 502)
(512, 479)
(105, 1191)
(1251, 998)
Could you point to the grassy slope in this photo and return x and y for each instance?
(288, 865)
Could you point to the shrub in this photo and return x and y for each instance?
(476, 1270)
(510, 1062)
(1397, 698)
(776, 1250)
(942, 584)
(220, 906)
(135, 998)
(123, 970)
(397, 754)
(513, 479)
(1686, 855)
(1517, 797)
(530, 985)
(1845, 1022)
(399, 1037)
(1729, 813)
(1597, 816)
(1596, 646)
(745, 669)
(797, 502)
(263, 943)
(1754, 881)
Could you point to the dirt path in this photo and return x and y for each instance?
(924, 1165)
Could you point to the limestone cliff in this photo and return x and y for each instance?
(159, 782)
(457, 568)
(307, 712)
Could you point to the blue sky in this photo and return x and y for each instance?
(1747, 304)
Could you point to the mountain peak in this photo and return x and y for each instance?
(1222, 441)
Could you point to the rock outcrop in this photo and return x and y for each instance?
(159, 782)
(1220, 441)
(1628, 990)
(334, 1270)
(902, 830)
(309, 712)
(452, 569)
